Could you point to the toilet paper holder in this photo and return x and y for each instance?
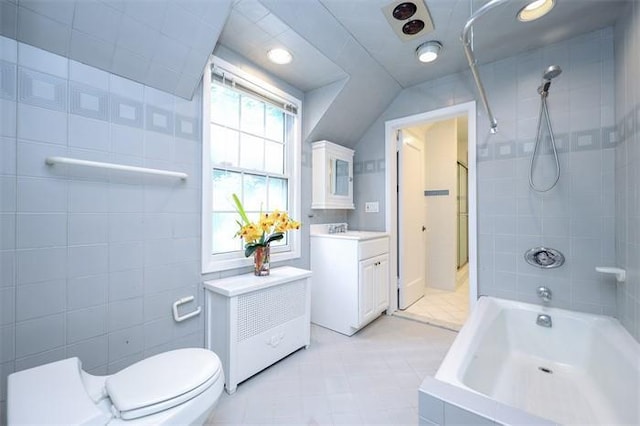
(180, 318)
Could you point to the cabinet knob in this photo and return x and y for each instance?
(275, 340)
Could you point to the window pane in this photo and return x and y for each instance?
(278, 194)
(224, 185)
(225, 106)
(255, 192)
(251, 152)
(224, 146)
(274, 126)
(224, 228)
(252, 116)
(273, 157)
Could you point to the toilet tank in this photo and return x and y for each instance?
(53, 394)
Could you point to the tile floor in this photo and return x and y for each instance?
(369, 378)
(448, 309)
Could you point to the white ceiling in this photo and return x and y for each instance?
(497, 35)
(330, 38)
(162, 43)
(252, 30)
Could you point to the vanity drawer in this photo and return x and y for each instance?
(375, 247)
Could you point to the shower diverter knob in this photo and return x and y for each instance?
(544, 257)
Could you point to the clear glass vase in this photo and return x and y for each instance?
(261, 261)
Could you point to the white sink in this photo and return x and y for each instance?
(351, 235)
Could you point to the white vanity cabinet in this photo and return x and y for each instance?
(332, 167)
(351, 279)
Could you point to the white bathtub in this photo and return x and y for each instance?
(583, 370)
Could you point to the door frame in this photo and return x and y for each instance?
(391, 185)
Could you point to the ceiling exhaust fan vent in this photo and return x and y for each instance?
(409, 19)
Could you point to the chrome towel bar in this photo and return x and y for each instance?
(112, 166)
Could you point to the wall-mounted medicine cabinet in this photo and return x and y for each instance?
(332, 176)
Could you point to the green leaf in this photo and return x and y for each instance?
(274, 237)
(240, 209)
(249, 249)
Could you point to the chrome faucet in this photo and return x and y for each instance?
(544, 293)
(334, 228)
(544, 320)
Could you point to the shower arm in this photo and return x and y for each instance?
(468, 50)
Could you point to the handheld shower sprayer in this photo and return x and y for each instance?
(549, 74)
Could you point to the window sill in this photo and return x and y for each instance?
(211, 266)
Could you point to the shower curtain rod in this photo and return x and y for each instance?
(468, 50)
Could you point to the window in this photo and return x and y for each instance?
(251, 148)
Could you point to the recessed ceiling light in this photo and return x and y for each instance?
(535, 9)
(429, 51)
(279, 56)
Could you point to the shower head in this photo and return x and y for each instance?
(551, 72)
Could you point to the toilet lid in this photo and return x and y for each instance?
(162, 381)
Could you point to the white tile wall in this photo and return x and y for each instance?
(576, 216)
(89, 258)
(627, 163)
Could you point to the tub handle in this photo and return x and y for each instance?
(177, 316)
(621, 274)
(544, 257)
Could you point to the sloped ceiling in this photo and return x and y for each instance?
(355, 36)
(360, 89)
(162, 43)
(497, 35)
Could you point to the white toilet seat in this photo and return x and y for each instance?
(139, 390)
(184, 383)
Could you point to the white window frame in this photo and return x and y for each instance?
(225, 261)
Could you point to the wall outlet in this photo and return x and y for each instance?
(371, 207)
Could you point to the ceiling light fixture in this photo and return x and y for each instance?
(535, 9)
(279, 56)
(404, 11)
(413, 27)
(409, 19)
(429, 51)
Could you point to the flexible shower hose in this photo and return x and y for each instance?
(544, 114)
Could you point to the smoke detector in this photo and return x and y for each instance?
(409, 19)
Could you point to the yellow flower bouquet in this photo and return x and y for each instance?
(258, 235)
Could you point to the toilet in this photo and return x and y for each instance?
(178, 387)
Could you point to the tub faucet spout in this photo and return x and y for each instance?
(544, 320)
(544, 293)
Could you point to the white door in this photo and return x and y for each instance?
(411, 219)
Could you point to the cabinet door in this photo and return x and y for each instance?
(341, 177)
(381, 283)
(332, 183)
(366, 290)
(340, 191)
